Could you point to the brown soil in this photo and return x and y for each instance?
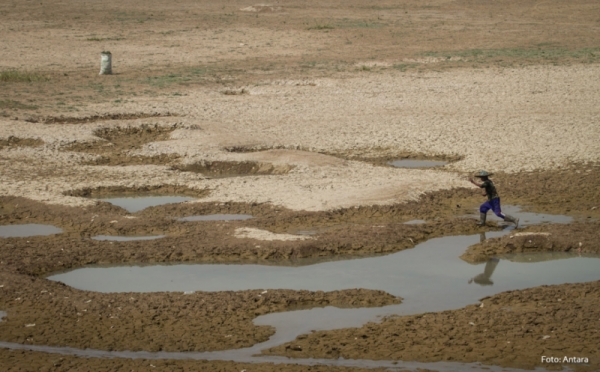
(126, 159)
(64, 316)
(27, 361)
(94, 118)
(119, 142)
(509, 330)
(200, 242)
(577, 237)
(327, 39)
(149, 321)
(376, 156)
(20, 142)
(140, 190)
(382, 156)
(218, 169)
(164, 51)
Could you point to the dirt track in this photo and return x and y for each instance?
(289, 112)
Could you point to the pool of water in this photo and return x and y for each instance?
(412, 163)
(217, 217)
(126, 238)
(429, 277)
(2, 315)
(26, 230)
(136, 203)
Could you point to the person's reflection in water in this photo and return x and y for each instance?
(484, 278)
(482, 237)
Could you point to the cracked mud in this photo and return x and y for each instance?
(291, 116)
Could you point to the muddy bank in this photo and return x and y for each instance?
(117, 145)
(219, 169)
(572, 190)
(511, 329)
(210, 241)
(25, 361)
(576, 237)
(93, 118)
(43, 312)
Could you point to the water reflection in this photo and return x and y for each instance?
(484, 277)
(482, 237)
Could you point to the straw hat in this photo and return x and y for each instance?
(483, 173)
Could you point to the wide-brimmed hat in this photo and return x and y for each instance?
(483, 173)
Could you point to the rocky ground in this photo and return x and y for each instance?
(291, 112)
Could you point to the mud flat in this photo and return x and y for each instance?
(511, 329)
(576, 238)
(289, 113)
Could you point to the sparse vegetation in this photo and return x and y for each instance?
(11, 76)
(16, 105)
(405, 66)
(352, 23)
(542, 52)
(321, 27)
(105, 38)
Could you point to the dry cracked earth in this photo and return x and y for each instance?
(291, 112)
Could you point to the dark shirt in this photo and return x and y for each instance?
(490, 189)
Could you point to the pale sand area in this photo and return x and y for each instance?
(509, 120)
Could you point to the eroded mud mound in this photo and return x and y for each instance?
(140, 190)
(576, 237)
(219, 169)
(118, 139)
(375, 156)
(120, 159)
(13, 141)
(382, 156)
(511, 329)
(94, 118)
(119, 142)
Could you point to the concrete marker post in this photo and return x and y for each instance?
(105, 63)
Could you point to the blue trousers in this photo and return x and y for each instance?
(494, 205)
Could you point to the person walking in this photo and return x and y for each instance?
(493, 201)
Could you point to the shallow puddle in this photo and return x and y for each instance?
(412, 163)
(429, 277)
(415, 222)
(2, 315)
(31, 229)
(217, 217)
(126, 238)
(526, 218)
(136, 203)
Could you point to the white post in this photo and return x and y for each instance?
(105, 63)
